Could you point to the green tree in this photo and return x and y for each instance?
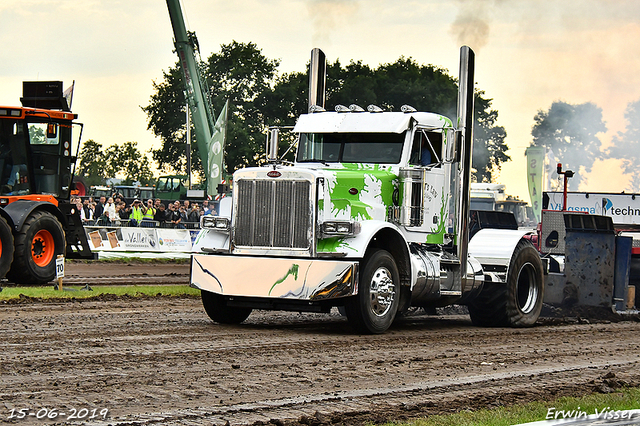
(91, 163)
(240, 73)
(126, 160)
(626, 146)
(96, 164)
(571, 132)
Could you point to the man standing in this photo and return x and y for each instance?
(136, 213)
(175, 218)
(148, 213)
(100, 207)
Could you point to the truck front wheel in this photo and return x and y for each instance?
(37, 246)
(217, 309)
(518, 302)
(6, 247)
(373, 309)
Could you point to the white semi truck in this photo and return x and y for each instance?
(357, 222)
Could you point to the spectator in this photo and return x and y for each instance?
(194, 213)
(115, 219)
(157, 203)
(183, 215)
(207, 209)
(103, 220)
(161, 214)
(124, 212)
(176, 219)
(100, 207)
(86, 214)
(110, 207)
(148, 213)
(136, 213)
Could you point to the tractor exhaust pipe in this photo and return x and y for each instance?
(317, 79)
(465, 126)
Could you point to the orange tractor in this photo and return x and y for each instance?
(38, 146)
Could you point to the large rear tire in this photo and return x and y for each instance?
(37, 246)
(6, 247)
(217, 309)
(374, 308)
(518, 302)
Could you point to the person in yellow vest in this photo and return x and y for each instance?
(136, 213)
(148, 212)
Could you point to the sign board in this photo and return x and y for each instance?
(60, 267)
(624, 209)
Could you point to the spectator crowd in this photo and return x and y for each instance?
(114, 211)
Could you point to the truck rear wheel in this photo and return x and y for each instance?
(6, 247)
(37, 246)
(518, 302)
(217, 309)
(373, 309)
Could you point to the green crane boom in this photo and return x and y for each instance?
(210, 133)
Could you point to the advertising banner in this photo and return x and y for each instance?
(624, 209)
(139, 239)
(535, 168)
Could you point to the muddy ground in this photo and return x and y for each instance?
(162, 361)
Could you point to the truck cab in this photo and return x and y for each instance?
(373, 217)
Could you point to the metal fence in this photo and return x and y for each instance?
(141, 224)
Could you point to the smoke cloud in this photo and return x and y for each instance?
(327, 15)
(471, 26)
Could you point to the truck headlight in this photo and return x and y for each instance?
(215, 222)
(340, 228)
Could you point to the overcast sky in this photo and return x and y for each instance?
(528, 54)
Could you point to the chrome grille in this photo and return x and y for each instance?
(273, 213)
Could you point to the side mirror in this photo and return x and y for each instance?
(457, 145)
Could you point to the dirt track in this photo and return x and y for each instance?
(162, 361)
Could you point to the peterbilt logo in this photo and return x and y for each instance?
(274, 174)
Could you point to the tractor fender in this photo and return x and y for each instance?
(6, 216)
(19, 211)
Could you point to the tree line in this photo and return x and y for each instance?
(259, 96)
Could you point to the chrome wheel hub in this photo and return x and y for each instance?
(381, 291)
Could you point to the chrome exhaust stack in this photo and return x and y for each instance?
(317, 80)
(465, 127)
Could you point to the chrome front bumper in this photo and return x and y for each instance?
(278, 278)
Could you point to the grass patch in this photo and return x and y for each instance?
(623, 399)
(70, 292)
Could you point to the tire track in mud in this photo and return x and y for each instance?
(162, 361)
(341, 406)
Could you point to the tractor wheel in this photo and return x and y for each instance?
(6, 247)
(518, 302)
(37, 246)
(374, 308)
(217, 309)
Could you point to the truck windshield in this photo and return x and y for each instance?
(378, 148)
